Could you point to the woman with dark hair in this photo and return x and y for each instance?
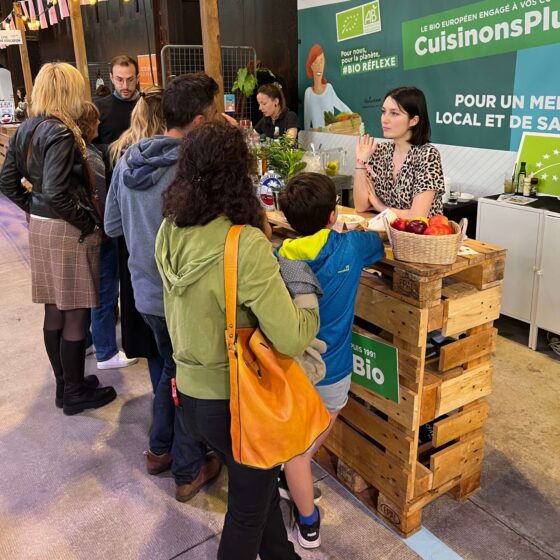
(276, 115)
(211, 192)
(103, 317)
(405, 174)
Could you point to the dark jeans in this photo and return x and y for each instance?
(187, 454)
(103, 320)
(155, 367)
(253, 523)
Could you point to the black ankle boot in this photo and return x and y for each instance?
(77, 395)
(52, 346)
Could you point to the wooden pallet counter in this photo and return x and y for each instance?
(6, 132)
(376, 441)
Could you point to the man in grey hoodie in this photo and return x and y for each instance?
(133, 209)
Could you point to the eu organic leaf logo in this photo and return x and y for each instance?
(350, 26)
(358, 21)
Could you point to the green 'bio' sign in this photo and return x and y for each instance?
(375, 366)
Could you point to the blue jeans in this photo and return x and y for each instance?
(155, 367)
(103, 320)
(187, 454)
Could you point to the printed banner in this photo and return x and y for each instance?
(488, 68)
(375, 366)
(10, 37)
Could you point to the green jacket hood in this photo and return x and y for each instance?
(183, 257)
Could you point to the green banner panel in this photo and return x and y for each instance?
(375, 366)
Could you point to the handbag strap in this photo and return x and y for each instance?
(231, 252)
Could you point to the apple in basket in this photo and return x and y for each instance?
(416, 226)
(439, 225)
(400, 224)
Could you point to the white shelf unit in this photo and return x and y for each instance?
(531, 287)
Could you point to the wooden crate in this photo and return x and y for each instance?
(378, 439)
(6, 132)
(462, 299)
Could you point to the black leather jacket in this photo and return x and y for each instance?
(56, 171)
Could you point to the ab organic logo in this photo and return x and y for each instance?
(358, 21)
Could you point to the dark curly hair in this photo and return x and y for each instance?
(213, 179)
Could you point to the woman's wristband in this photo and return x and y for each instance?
(359, 167)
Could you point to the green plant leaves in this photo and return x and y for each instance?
(284, 156)
(245, 82)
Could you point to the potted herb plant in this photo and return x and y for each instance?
(285, 157)
(284, 160)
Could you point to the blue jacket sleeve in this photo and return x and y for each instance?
(113, 219)
(369, 246)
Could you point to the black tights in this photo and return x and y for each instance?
(72, 323)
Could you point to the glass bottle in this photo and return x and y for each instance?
(520, 178)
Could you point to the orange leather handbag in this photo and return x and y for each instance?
(276, 413)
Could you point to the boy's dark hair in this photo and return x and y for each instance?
(307, 202)
(186, 97)
(413, 101)
(123, 60)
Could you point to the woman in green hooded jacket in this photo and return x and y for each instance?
(212, 191)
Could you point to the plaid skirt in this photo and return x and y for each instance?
(64, 272)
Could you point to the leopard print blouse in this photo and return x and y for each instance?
(420, 172)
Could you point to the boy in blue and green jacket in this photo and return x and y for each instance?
(337, 259)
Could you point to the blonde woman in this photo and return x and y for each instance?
(137, 338)
(64, 227)
(146, 121)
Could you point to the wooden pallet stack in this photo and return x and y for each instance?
(6, 132)
(378, 439)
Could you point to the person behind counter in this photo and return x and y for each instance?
(405, 174)
(272, 105)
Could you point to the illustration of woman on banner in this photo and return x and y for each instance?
(320, 99)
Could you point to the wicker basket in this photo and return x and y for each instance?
(427, 249)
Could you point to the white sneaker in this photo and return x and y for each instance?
(90, 350)
(119, 360)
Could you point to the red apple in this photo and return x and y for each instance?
(416, 226)
(400, 224)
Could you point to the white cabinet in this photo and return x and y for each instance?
(531, 287)
(517, 230)
(548, 274)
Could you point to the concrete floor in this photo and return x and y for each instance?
(74, 488)
(516, 513)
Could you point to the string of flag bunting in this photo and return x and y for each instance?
(34, 13)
